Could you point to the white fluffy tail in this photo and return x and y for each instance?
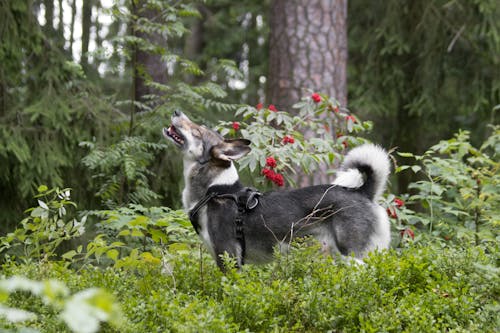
(366, 168)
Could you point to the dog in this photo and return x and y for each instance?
(230, 218)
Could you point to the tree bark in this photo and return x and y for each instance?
(49, 18)
(72, 27)
(86, 24)
(60, 26)
(148, 66)
(308, 50)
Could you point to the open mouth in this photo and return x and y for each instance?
(173, 134)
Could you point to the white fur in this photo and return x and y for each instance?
(205, 237)
(227, 177)
(381, 238)
(374, 156)
(187, 202)
(351, 178)
(193, 150)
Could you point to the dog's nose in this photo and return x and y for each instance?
(177, 113)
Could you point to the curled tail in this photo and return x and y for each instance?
(366, 168)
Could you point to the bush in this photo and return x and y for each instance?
(315, 135)
(421, 289)
(459, 197)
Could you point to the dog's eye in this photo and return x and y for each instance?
(196, 133)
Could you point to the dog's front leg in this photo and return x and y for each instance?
(226, 246)
(229, 256)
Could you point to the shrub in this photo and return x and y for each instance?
(47, 226)
(280, 148)
(82, 312)
(460, 194)
(420, 289)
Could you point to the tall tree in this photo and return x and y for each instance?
(86, 25)
(308, 50)
(49, 17)
(72, 26)
(147, 63)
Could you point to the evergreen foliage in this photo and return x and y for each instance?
(47, 108)
(431, 63)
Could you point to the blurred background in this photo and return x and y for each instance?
(86, 85)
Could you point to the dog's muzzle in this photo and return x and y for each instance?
(173, 134)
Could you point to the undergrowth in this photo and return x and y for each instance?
(420, 289)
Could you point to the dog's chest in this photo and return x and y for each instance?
(202, 220)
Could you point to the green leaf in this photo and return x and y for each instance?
(402, 168)
(124, 233)
(69, 255)
(405, 154)
(113, 254)
(43, 204)
(136, 233)
(416, 168)
(42, 188)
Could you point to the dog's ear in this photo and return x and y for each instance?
(231, 149)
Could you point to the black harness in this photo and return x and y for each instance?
(246, 199)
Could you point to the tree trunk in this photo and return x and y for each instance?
(72, 27)
(98, 27)
(308, 50)
(86, 24)
(60, 26)
(148, 66)
(49, 18)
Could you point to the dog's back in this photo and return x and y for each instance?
(343, 216)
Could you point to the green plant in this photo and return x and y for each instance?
(460, 192)
(46, 227)
(135, 236)
(121, 171)
(422, 288)
(82, 312)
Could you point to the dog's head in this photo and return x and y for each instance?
(203, 145)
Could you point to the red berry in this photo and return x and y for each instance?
(236, 125)
(271, 162)
(288, 139)
(272, 108)
(399, 203)
(316, 98)
(349, 117)
(407, 232)
(392, 213)
(268, 173)
(278, 179)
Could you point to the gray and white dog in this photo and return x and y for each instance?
(344, 216)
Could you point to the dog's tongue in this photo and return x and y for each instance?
(172, 130)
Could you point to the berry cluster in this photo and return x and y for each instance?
(270, 174)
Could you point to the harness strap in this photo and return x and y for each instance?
(193, 212)
(245, 199)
